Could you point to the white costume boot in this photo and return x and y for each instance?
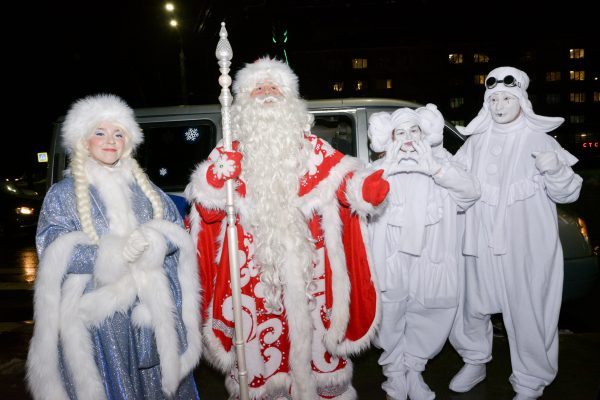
(396, 387)
(417, 388)
(468, 376)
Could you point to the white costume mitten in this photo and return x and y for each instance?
(427, 163)
(135, 246)
(547, 162)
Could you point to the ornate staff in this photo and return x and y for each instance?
(224, 54)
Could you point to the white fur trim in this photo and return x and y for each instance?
(319, 200)
(76, 341)
(110, 265)
(190, 291)
(153, 291)
(88, 113)
(355, 197)
(200, 191)
(266, 70)
(43, 372)
(217, 356)
(347, 347)
(141, 316)
(300, 330)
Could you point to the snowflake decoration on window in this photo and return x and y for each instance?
(192, 134)
(162, 171)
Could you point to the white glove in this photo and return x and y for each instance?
(135, 246)
(427, 163)
(391, 160)
(547, 162)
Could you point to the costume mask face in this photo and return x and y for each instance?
(504, 107)
(106, 144)
(407, 133)
(266, 92)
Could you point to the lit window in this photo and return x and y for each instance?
(586, 137)
(577, 119)
(480, 58)
(458, 122)
(455, 58)
(456, 102)
(577, 97)
(359, 85)
(359, 63)
(576, 53)
(552, 98)
(553, 76)
(479, 79)
(338, 86)
(596, 97)
(577, 75)
(383, 84)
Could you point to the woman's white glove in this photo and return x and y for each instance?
(547, 162)
(135, 246)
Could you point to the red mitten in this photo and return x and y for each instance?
(227, 166)
(375, 188)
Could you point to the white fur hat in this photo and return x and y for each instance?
(266, 70)
(86, 114)
(517, 87)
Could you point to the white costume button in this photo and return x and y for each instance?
(491, 169)
(496, 150)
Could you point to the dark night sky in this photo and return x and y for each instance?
(57, 52)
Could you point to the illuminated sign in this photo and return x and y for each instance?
(589, 145)
(42, 157)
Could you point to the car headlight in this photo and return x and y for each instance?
(583, 229)
(24, 210)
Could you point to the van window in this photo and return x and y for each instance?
(338, 130)
(172, 149)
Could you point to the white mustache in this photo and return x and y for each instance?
(267, 99)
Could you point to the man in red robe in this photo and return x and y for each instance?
(308, 293)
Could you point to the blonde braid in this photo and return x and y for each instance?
(82, 194)
(144, 182)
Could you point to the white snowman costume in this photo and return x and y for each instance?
(514, 260)
(415, 245)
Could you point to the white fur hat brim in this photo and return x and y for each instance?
(86, 114)
(266, 70)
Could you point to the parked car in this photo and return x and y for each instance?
(177, 138)
(19, 208)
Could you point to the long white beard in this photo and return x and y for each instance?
(275, 152)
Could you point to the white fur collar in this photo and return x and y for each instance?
(113, 185)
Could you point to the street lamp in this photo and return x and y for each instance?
(174, 23)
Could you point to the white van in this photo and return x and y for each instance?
(177, 138)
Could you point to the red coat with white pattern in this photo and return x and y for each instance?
(280, 360)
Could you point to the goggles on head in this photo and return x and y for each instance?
(508, 81)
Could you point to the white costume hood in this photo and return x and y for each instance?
(382, 125)
(497, 81)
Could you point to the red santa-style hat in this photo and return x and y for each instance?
(266, 70)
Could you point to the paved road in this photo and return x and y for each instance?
(578, 377)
